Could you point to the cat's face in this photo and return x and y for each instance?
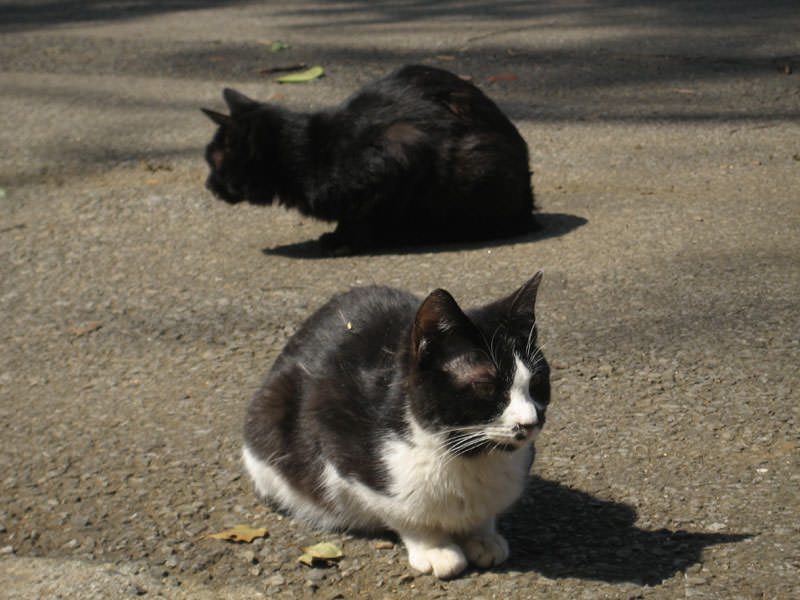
(224, 155)
(233, 174)
(480, 380)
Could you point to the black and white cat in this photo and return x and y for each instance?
(419, 156)
(384, 411)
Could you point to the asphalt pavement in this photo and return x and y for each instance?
(139, 314)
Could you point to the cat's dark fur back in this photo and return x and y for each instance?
(385, 411)
(419, 156)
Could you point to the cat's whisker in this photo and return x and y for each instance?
(461, 451)
(531, 337)
(460, 445)
(492, 350)
(538, 356)
(462, 440)
(461, 428)
(305, 369)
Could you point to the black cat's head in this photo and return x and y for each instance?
(236, 173)
(479, 379)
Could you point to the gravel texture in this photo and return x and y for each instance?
(139, 314)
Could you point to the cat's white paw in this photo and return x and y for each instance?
(486, 549)
(444, 561)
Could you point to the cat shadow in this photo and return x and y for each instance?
(550, 225)
(561, 532)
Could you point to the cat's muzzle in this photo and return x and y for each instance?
(523, 432)
(223, 191)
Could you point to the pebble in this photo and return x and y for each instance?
(277, 580)
(80, 521)
(171, 562)
(316, 575)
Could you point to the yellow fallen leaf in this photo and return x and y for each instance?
(240, 533)
(90, 327)
(321, 551)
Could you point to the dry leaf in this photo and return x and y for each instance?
(90, 327)
(321, 551)
(240, 533)
(156, 166)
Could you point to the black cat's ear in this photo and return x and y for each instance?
(439, 322)
(218, 118)
(238, 102)
(521, 303)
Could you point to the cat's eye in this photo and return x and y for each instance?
(483, 388)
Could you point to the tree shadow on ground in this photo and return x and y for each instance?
(561, 532)
(19, 15)
(550, 225)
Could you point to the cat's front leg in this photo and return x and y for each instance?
(485, 547)
(436, 553)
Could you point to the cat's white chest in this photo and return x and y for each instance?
(429, 486)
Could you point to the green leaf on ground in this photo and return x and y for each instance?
(302, 76)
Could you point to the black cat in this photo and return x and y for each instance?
(419, 156)
(384, 411)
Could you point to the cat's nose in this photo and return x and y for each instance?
(523, 430)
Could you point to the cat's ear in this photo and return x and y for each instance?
(440, 323)
(521, 303)
(218, 118)
(237, 102)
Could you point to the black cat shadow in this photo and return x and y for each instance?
(550, 225)
(561, 532)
